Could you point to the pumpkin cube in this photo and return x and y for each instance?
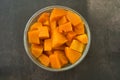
(44, 60)
(33, 37)
(71, 35)
(79, 29)
(77, 46)
(62, 57)
(36, 26)
(67, 27)
(47, 45)
(73, 18)
(72, 55)
(82, 38)
(36, 50)
(58, 39)
(43, 17)
(54, 61)
(62, 20)
(57, 13)
(44, 32)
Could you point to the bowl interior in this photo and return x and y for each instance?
(27, 45)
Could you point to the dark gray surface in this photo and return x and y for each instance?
(102, 61)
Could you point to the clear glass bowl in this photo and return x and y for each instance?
(27, 45)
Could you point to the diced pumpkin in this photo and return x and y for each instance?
(44, 60)
(73, 18)
(43, 33)
(77, 46)
(82, 38)
(72, 55)
(36, 26)
(33, 37)
(79, 29)
(58, 39)
(47, 45)
(36, 50)
(43, 17)
(62, 20)
(54, 61)
(62, 57)
(71, 35)
(67, 27)
(57, 13)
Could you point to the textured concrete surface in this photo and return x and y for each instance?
(102, 61)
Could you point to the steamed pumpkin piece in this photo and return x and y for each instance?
(77, 46)
(62, 20)
(71, 35)
(36, 50)
(62, 58)
(72, 55)
(57, 13)
(44, 60)
(43, 17)
(36, 26)
(67, 27)
(54, 61)
(33, 37)
(79, 29)
(82, 38)
(47, 45)
(73, 18)
(44, 33)
(58, 39)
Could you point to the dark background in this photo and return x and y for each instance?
(102, 61)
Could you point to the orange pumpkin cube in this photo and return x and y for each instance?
(62, 20)
(82, 38)
(72, 55)
(33, 37)
(43, 17)
(36, 26)
(47, 45)
(73, 18)
(44, 60)
(62, 57)
(36, 50)
(71, 35)
(43, 33)
(67, 27)
(79, 29)
(58, 39)
(57, 13)
(77, 46)
(54, 61)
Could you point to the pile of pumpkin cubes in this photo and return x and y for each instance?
(57, 38)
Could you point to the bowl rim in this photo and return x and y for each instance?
(25, 40)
